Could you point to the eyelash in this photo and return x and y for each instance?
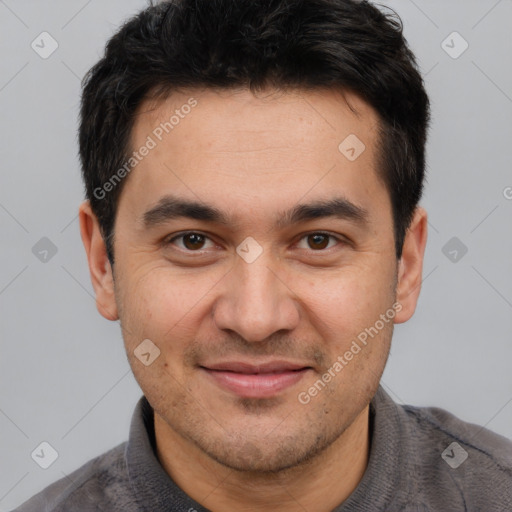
(339, 240)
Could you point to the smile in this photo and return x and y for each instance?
(256, 381)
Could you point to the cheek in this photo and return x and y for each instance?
(343, 309)
(144, 300)
(158, 307)
(344, 300)
(161, 305)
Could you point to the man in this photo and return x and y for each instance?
(253, 171)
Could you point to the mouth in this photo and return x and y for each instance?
(256, 380)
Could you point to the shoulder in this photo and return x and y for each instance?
(466, 461)
(100, 484)
(435, 424)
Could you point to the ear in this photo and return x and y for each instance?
(410, 266)
(99, 265)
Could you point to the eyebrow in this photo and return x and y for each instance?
(169, 208)
(338, 207)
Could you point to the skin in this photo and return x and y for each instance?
(254, 157)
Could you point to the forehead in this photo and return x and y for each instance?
(274, 119)
(271, 147)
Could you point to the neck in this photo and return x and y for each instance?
(320, 484)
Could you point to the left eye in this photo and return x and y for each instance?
(319, 241)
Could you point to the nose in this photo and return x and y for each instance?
(255, 302)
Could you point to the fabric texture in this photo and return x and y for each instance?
(421, 459)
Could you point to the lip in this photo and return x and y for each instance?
(249, 380)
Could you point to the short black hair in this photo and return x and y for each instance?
(257, 44)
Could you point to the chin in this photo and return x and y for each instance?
(265, 455)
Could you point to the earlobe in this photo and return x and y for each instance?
(410, 268)
(99, 265)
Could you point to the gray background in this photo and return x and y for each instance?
(63, 371)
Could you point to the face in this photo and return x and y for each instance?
(257, 256)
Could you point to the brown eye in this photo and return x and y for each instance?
(318, 241)
(193, 241)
